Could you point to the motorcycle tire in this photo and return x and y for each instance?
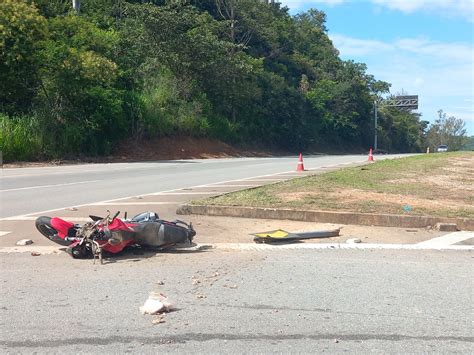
(43, 225)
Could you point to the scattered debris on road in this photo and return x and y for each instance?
(35, 253)
(279, 235)
(230, 286)
(158, 320)
(23, 242)
(353, 241)
(156, 303)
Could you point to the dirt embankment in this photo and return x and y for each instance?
(163, 149)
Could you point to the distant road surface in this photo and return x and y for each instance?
(30, 190)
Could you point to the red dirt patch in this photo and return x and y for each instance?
(182, 148)
(162, 149)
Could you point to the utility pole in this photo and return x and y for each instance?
(76, 5)
(375, 125)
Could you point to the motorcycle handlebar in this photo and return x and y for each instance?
(115, 215)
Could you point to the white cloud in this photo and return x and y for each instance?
(461, 8)
(296, 4)
(349, 46)
(451, 51)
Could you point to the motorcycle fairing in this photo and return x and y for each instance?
(121, 235)
(118, 224)
(63, 227)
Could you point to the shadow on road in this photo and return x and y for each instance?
(136, 253)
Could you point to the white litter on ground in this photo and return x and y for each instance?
(156, 303)
(23, 242)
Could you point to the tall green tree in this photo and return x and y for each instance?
(80, 99)
(447, 130)
(22, 30)
(400, 131)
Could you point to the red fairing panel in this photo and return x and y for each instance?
(61, 226)
(116, 248)
(117, 224)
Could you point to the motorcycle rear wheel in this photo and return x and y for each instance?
(43, 225)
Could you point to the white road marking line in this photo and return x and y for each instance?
(268, 247)
(48, 174)
(185, 193)
(2, 233)
(33, 218)
(133, 203)
(214, 185)
(282, 179)
(46, 186)
(448, 239)
(14, 218)
(30, 248)
(290, 175)
(79, 167)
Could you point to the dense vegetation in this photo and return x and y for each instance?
(242, 71)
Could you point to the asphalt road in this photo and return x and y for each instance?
(358, 301)
(29, 190)
(296, 301)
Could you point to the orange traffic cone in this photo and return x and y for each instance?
(371, 156)
(300, 166)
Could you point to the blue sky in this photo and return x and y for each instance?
(422, 47)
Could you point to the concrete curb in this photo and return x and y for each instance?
(335, 246)
(383, 220)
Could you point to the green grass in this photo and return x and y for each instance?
(20, 138)
(403, 179)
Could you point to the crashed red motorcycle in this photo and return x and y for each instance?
(112, 234)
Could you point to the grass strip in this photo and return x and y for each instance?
(430, 184)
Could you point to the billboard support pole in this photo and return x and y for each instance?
(375, 125)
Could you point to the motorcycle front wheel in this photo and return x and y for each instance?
(43, 225)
